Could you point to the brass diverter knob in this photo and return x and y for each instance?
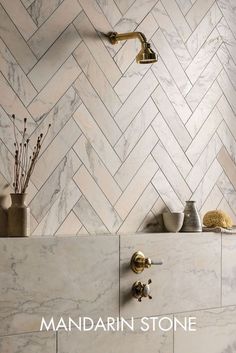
(141, 290)
(139, 262)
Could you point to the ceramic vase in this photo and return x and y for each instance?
(3, 216)
(18, 217)
(192, 220)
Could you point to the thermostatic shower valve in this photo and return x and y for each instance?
(139, 262)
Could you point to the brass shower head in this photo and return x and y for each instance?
(146, 54)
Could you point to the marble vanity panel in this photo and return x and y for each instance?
(118, 341)
(60, 277)
(228, 270)
(189, 278)
(37, 342)
(215, 332)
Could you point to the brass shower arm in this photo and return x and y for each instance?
(116, 37)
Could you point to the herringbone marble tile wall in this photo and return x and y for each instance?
(127, 139)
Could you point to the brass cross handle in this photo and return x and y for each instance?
(141, 290)
(139, 262)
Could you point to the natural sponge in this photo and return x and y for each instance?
(217, 218)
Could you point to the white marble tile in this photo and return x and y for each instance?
(203, 30)
(118, 342)
(204, 108)
(136, 100)
(228, 89)
(56, 151)
(171, 117)
(227, 37)
(212, 201)
(56, 24)
(100, 53)
(171, 62)
(228, 9)
(40, 10)
(51, 62)
(204, 135)
(215, 332)
(7, 162)
(136, 129)
(171, 145)
(89, 218)
(189, 278)
(227, 139)
(96, 107)
(228, 64)
(55, 89)
(227, 190)
(70, 226)
(167, 193)
(206, 157)
(110, 10)
(97, 169)
(228, 114)
(135, 159)
(36, 342)
(56, 285)
(184, 5)
(97, 78)
(136, 187)
(97, 199)
(204, 82)
(172, 91)
(198, 11)
(171, 172)
(96, 138)
(204, 56)
(15, 43)
(124, 5)
(226, 207)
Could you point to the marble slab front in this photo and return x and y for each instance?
(59, 277)
(228, 270)
(189, 279)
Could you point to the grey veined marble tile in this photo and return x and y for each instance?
(58, 277)
(37, 342)
(215, 332)
(189, 278)
(228, 270)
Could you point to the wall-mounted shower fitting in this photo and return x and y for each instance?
(139, 262)
(141, 290)
(146, 54)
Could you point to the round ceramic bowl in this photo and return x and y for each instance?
(173, 221)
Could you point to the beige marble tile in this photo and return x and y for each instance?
(42, 280)
(189, 278)
(70, 226)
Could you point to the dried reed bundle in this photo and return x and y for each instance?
(24, 162)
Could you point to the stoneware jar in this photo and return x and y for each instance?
(192, 221)
(3, 216)
(18, 217)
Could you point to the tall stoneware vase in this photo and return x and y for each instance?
(18, 217)
(3, 216)
(192, 220)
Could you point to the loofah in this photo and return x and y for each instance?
(217, 218)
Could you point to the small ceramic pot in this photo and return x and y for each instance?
(18, 217)
(173, 221)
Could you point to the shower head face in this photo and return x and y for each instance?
(146, 55)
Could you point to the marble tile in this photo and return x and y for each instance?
(215, 332)
(97, 139)
(189, 278)
(136, 187)
(228, 64)
(97, 199)
(51, 62)
(212, 202)
(97, 78)
(171, 117)
(124, 5)
(56, 24)
(171, 62)
(37, 342)
(227, 139)
(228, 165)
(224, 205)
(94, 44)
(227, 37)
(15, 43)
(118, 342)
(198, 11)
(136, 100)
(204, 82)
(170, 31)
(97, 108)
(172, 91)
(92, 223)
(171, 145)
(97, 169)
(70, 226)
(40, 10)
(27, 3)
(203, 30)
(7, 161)
(227, 190)
(228, 114)
(136, 158)
(54, 286)
(184, 5)
(136, 129)
(228, 89)
(55, 89)
(228, 9)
